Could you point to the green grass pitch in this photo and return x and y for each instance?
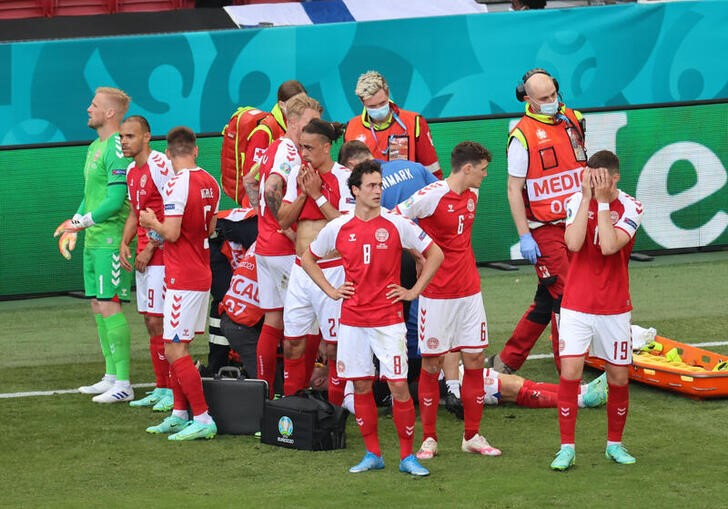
(65, 451)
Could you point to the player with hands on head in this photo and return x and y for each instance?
(601, 222)
(370, 243)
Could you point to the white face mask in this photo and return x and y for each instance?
(549, 109)
(378, 114)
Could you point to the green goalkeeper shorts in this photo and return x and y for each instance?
(103, 277)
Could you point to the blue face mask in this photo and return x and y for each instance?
(378, 114)
(549, 109)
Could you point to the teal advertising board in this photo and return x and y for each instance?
(442, 67)
(674, 160)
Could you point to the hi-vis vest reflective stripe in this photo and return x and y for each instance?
(555, 163)
(359, 128)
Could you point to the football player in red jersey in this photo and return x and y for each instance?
(191, 201)
(372, 323)
(601, 222)
(451, 313)
(146, 178)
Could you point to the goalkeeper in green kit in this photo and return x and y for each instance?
(102, 214)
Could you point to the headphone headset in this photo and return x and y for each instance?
(521, 88)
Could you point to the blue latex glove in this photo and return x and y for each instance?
(529, 248)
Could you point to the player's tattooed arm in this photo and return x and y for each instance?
(252, 189)
(274, 194)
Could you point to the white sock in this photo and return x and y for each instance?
(453, 386)
(182, 414)
(348, 402)
(109, 378)
(203, 418)
(613, 443)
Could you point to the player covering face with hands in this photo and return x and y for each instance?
(601, 223)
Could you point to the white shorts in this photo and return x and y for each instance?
(150, 290)
(273, 275)
(358, 344)
(185, 313)
(609, 336)
(452, 325)
(307, 306)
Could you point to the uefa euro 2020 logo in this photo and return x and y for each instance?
(285, 426)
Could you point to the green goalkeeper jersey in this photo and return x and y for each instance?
(105, 167)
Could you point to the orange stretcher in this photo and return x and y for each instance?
(678, 367)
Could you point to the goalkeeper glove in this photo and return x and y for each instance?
(67, 243)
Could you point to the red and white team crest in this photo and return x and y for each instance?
(562, 345)
(340, 367)
(488, 380)
(143, 181)
(381, 235)
(471, 205)
(433, 343)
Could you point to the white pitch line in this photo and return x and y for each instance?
(537, 356)
(54, 392)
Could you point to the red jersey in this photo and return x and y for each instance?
(145, 185)
(280, 158)
(599, 284)
(194, 195)
(241, 300)
(448, 218)
(372, 255)
(334, 186)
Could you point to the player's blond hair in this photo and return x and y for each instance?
(118, 98)
(296, 105)
(369, 84)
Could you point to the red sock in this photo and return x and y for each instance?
(189, 380)
(617, 408)
(266, 352)
(366, 414)
(311, 355)
(336, 385)
(428, 394)
(159, 361)
(180, 400)
(294, 375)
(403, 413)
(518, 346)
(568, 408)
(472, 394)
(535, 395)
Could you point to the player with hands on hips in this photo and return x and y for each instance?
(372, 323)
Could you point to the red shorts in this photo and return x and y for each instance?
(554, 259)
